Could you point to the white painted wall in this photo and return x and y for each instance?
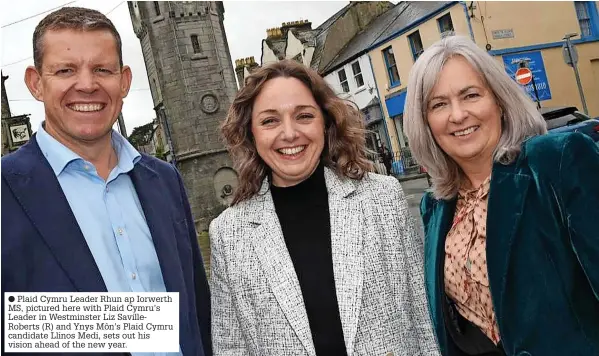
(308, 56)
(268, 56)
(294, 46)
(361, 96)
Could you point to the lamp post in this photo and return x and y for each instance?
(571, 58)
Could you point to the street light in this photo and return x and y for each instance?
(571, 58)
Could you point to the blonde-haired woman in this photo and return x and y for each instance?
(316, 256)
(511, 247)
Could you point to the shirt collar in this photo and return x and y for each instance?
(59, 155)
(476, 193)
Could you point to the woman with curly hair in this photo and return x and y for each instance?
(316, 255)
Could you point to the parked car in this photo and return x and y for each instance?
(569, 119)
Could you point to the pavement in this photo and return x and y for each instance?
(414, 189)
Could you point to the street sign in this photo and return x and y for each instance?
(569, 58)
(536, 65)
(523, 76)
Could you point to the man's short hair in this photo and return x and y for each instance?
(72, 18)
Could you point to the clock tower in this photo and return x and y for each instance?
(192, 81)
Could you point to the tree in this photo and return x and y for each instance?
(141, 135)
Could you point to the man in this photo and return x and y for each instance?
(386, 157)
(82, 210)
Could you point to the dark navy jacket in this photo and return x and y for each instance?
(43, 249)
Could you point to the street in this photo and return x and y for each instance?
(414, 190)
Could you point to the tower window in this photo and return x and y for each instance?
(157, 8)
(196, 44)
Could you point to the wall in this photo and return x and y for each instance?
(532, 33)
(294, 46)
(361, 96)
(268, 56)
(308, 56)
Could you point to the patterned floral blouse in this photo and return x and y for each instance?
(466, 280)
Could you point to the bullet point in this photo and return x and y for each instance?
(11, 299)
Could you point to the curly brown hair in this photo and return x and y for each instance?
(344, 151)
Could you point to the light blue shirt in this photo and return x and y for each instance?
(109, 215)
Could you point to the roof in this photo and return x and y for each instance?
(321, 38)
(305, 36)
(399, 17)
(277, 45)
(373, 102)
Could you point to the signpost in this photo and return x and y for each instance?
(571, 59)
(525, 76)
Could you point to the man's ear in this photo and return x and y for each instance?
(126, 78)
(33, 80)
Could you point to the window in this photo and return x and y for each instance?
(586, 12)
(445, 25)
(416, 44)
(357, 74)
(157, 8)
(196, 44)
(343, 81)
(391, 66)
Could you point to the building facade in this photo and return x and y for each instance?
(15, 130)
(509, 31)
(192, 84)
(354, 81)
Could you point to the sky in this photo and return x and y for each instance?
(245, 24)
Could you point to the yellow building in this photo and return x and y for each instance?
(511, 32)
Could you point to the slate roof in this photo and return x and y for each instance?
(277, 45)
(305, 36)
(402, 15)
(321, 37)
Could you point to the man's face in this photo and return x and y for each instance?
(81, 84)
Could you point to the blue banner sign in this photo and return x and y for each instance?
(536, 66)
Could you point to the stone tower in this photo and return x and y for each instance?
(192, 82)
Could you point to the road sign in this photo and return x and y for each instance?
(523, 76)
(569, 57)
(536, 65)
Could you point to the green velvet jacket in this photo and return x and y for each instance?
(542, 249)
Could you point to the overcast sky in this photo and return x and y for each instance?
(245, 23)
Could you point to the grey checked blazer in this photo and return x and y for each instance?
(257, 304)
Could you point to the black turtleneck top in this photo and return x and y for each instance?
(303, 212)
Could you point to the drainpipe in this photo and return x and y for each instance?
(463, 3)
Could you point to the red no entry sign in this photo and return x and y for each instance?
(523, 76)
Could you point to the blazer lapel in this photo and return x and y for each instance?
(437, 227)
(506, 203)
(37, 189)
(267, 239)
(149, 187)
(347, 231)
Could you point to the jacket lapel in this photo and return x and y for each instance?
(438, 220)
(347, 233)
(505, 207)
(268, 241)
(149, 187)
(36, 187)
